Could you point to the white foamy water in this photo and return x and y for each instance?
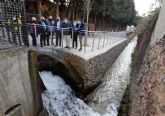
(109, 94)
(59, 99)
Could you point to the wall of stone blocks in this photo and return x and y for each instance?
(93, 70)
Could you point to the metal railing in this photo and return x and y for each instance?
(96, 39)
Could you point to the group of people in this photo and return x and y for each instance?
(47, 28)
(13, 29)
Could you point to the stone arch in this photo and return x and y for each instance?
(57, 66)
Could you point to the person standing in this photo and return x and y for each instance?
(15, 33)
(75, 34)
(49, 30)
(51, 24)
(58, 26)
(33, 31)
(81, 28)
(42, 31)
(19, 23)
(67, 30)
(8, 29)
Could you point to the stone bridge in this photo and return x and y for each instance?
(21, 87)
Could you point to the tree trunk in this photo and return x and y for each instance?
(57, 9)
(87, 23)
(73, 14)
(39, 8)
(70, 10)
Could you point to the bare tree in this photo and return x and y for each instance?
(87, 9)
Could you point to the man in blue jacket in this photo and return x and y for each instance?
(67, 31)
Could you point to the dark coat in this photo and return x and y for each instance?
(49, 24)
(67, 31)
(41, 27)
(55, 25)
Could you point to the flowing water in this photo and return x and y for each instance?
(59, 99)
(108, 95)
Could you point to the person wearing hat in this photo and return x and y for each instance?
(33, 31)
(42, 31)
(58, 25)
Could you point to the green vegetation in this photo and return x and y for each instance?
(144, 32)
(125, 103)
(114, 13)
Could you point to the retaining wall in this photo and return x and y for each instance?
(93, 69)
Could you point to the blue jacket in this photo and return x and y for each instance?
(50, 23)
(81, 28)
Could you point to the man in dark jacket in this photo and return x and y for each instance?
(42, 31)
(67, 31)
(75, 34)
(58, 25)
(51, 24)
(49, 29)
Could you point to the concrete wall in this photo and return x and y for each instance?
(16, 90)
(160, 26)
(92, 70)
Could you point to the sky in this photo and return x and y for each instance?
(143, 6)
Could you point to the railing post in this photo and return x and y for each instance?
(52, 38)
(85, 41)
(99, 42)
(36, 35)
(51, 34)
(104, 39)
(108, 38)
(62, 39)
(20, 35)
(113, 36)
(93, 43)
